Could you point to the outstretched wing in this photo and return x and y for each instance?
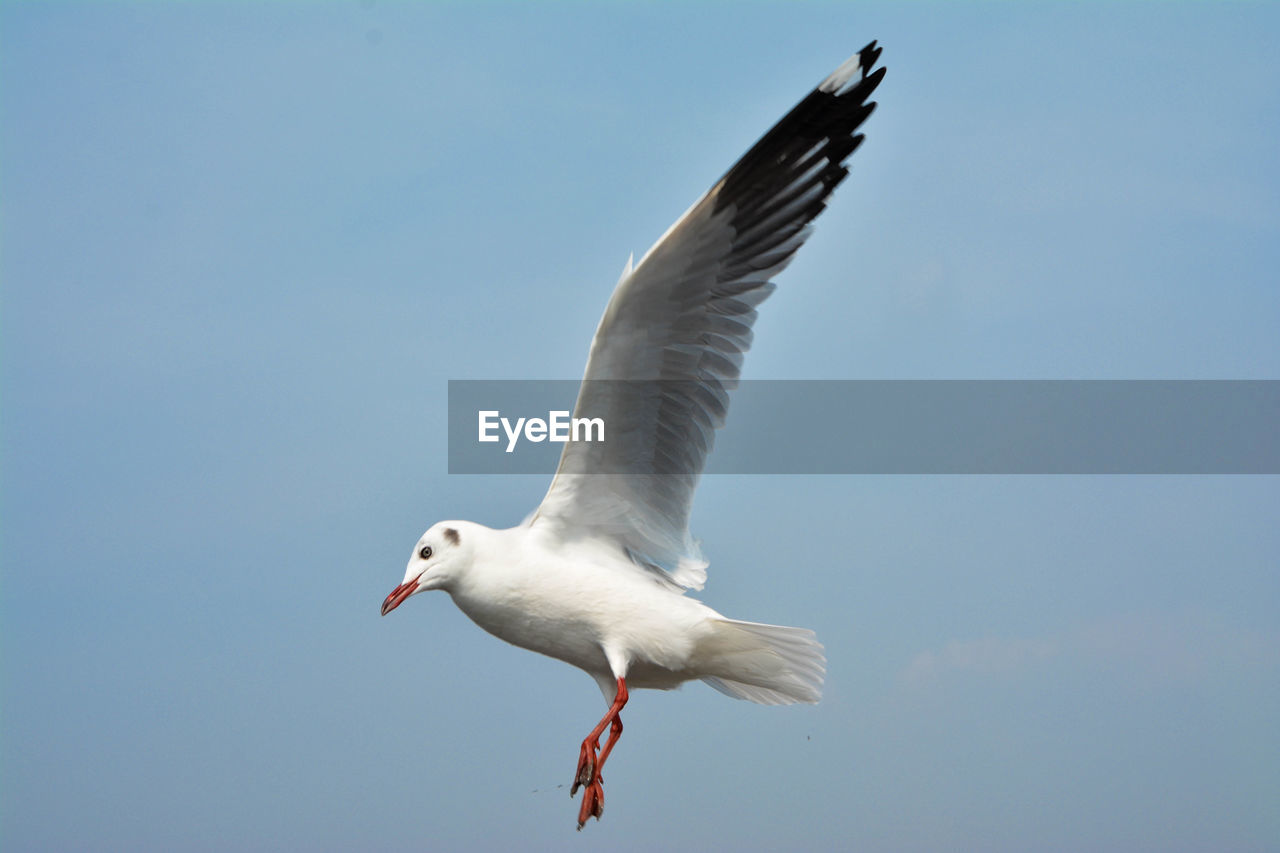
(681, 320)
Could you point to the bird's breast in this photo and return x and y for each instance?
(551, 621)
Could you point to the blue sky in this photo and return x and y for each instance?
(246, 245)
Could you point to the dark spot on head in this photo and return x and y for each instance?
(452, 535)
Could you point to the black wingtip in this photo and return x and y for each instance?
(871, 81)
(868, 57)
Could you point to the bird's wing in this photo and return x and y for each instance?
(680, 322)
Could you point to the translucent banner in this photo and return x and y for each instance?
(867, 427)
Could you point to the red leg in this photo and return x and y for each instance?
(615, 729)
(589, 766)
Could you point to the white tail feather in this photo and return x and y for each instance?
(769, 664)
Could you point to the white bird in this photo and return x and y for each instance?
(596, 575)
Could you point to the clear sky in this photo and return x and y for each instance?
(246, 245)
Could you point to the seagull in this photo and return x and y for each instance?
(596, 576)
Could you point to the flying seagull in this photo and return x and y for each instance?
(596, 575)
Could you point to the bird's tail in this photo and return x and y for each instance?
(769, 664)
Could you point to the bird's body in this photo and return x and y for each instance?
(597, 575)
(576, 601)
(586, 604)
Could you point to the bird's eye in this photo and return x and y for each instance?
(425, 553)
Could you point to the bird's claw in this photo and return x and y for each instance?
(586, 768)
(592, 803)
(591, 782)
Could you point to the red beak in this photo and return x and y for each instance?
(398, 595)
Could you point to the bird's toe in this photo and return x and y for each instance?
(586, 772)
(592, 803)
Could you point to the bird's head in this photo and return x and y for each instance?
(440, 554)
